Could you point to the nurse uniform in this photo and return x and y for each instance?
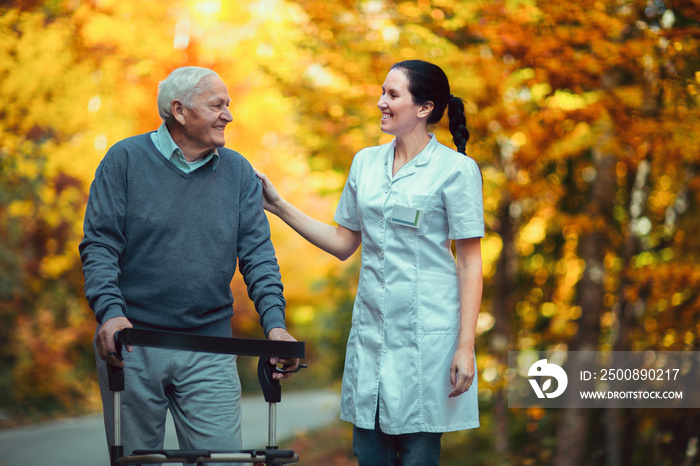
(406, 320)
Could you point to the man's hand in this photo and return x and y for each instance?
(280, 334)
(106, 347)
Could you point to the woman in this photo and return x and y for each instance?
(410, 370)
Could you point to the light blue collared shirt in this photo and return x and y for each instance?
(165, 144)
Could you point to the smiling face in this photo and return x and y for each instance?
(400, 115)
(204, 121)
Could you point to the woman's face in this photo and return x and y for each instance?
(400, 115)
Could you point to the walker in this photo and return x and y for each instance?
(271, 389)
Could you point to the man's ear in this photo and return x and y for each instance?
(425, 109)
(177, 109)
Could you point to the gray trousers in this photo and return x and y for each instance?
(201, 390)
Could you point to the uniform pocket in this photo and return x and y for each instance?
(411, 213)
(438, 303)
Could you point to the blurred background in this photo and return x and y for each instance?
(583, 118)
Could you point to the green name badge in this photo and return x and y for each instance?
(406, 216)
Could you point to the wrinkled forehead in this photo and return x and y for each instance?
(212, 87)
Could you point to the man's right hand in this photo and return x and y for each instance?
(106, 348)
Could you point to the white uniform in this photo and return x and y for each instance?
(405, 321)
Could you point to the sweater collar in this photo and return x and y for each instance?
(170, 150)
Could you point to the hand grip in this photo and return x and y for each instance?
(279, 370)
(272, 391)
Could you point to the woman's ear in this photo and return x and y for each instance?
(425, 109)
(177, 109)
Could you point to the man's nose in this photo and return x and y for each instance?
(227, 115)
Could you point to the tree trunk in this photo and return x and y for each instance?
(572, 435)
(504, 284)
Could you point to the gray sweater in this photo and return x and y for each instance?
(161, 246)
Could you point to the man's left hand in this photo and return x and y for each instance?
(288, 364)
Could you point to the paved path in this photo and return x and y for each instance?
(81, 441)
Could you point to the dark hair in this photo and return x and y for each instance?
(428, 83)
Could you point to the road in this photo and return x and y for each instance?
(82, 442)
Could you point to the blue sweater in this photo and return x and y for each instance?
(161, 246)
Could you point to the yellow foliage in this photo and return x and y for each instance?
(569, 101)
(21, 208)
(302, 315)
(44, 349)
(129, 29)
(572, 144)
(491, 248)
(53, 267)
(535, 231)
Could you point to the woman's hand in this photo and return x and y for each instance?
(271, 198)
(336, 240)
(462, 371)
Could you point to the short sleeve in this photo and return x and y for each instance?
(464, 201)
(346, 213)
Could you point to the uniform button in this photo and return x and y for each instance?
(381, 219)
(386, 191)
(383, 350)
(381, 285)
(381, 252)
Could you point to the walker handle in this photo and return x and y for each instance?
(115, 374)
(272, 391)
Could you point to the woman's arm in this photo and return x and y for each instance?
(470, 279)
(338, 241)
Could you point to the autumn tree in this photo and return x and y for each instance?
(43, 342)
(582, 116)
(581, 120)
(617, 77)
(77, 77)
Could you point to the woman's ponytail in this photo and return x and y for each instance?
(458, 123)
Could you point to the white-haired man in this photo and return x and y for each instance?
(170, 215)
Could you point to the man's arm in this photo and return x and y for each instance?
(100, 250)
(259, 267)
(256, 255)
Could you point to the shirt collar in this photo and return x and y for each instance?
(167, 146)
(421, 158)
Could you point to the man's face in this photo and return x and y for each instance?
(208, 115)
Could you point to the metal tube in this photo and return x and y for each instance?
(117, 419)
(272, 425)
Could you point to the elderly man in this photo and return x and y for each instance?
(170, 214)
